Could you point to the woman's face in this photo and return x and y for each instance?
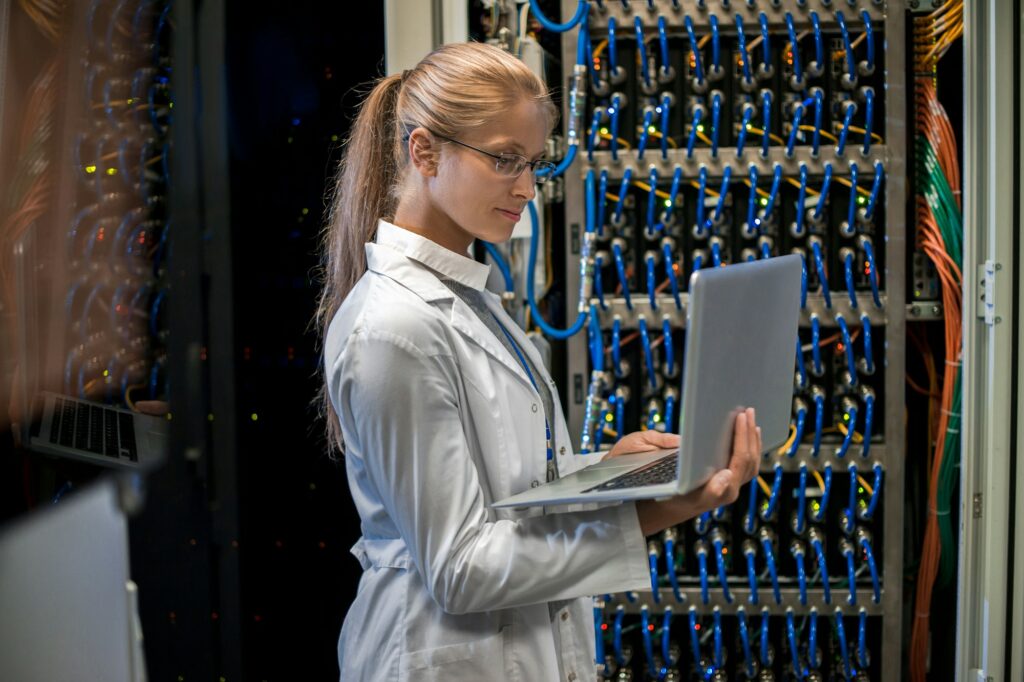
(478, 202)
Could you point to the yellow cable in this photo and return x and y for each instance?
(846, 183)
(860, 131)
(784, 448)
(795, 183)
(760, 192)
(128, 396)
(824, 133)
(865, 485)
(857, 438)
(819, 479)
(758, 131)
(764, 486)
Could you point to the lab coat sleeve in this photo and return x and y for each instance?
(399, 411)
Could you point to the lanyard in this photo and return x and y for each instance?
(547, 424)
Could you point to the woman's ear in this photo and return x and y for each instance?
(424, 152)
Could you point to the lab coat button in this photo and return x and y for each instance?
(561, 450)
(572, 677)
(565, 615)
(534, 407)
(534, 484)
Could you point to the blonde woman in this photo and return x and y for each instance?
(441, 404)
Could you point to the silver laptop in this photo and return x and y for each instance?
(741, 331)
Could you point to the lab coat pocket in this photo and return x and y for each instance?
(482, 659)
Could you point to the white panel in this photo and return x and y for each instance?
(408, 33)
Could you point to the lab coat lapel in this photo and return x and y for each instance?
(469, 325)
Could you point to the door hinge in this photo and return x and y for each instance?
(988, 310)
(977, 505)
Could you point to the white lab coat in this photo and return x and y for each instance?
(439, 420)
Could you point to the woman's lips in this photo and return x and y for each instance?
(511, 215)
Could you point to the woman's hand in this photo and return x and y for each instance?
(643, 441)
(723, 488)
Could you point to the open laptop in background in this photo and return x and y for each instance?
(62, 425)
(741, 331)
(69, 609)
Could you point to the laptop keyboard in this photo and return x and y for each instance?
(657, 472)
(101, 430)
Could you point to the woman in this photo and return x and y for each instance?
(442, 405)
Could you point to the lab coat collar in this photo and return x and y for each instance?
(415, 262)
(447, 263)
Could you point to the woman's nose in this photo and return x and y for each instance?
(525, 185)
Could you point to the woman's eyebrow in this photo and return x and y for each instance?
(510, 144)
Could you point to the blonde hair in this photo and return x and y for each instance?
(455, 88)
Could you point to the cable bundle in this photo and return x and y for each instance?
(940, 236)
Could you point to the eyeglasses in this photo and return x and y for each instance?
(511, 165)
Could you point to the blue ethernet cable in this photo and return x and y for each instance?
(598, 281)
(701, 550)
(837, 622)
(620, 416)
(722, 194)
(869, 109)
(851, 212)
(876, 184)
(845, 130)
(499, 260)
(773, 498)
(819, 265)
(869, 418)
(641, 46)
(766, 53)
(531, 299)
(823, 196)
(645, 339)
(773, 193)
(666, 253)
(702, 188)
(876, 494)
(812, 639)
(766, 120)
(666, 103)
(851, 363)
(851, 570)
(818, 65)
(602, 200)
(614, 110)
(753, 225)
(801, 505)
(798, 113)
(748, 659)
(670, 360)
(670, 413)
(698, 113)
(617, 347)
(851, 66)
(801, 418)
(862, 648)
(620, 614)
(665, 71)
(750, 520)
(620, 203)
(819, 553)
(670, 566)
(817, 367)
(869, 253)
(826, 490)
(870, 40)
(750, 553)
(666, 638)
(641, 144)
(716, 65)
(741, 45)
(688, 23)
(677, 177)
(869, 362)
(717, 628)
(716, 112)
(653, 225)
(648, 645)
(581, 12)
(793, 648)
(819, 417)
(766, 249)
(698, 262)
(765, 651)
(723, 580)
(851, 510)
(801, 203)
(769, 556)
(819, 104)
(620, 269)
(599, 638)
(694, 636)
(798, 77)
(798, 551)
(801, 370)
(850, 417)
(652, 293)
(741, 139)
(602, 419)
(652, 561)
